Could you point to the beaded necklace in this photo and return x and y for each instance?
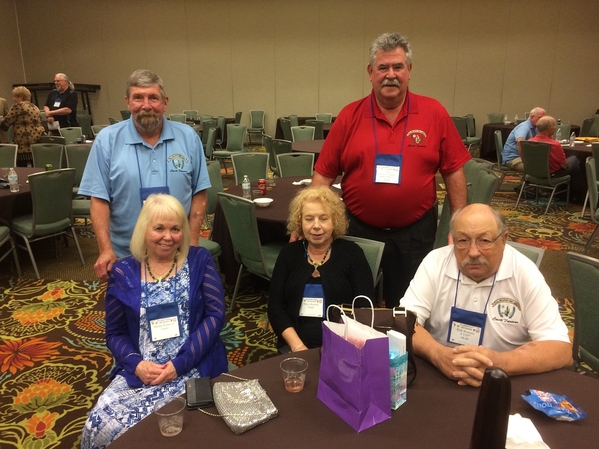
(316, 273)
(159, 279)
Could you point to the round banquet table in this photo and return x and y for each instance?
(308, 146)
(438, 414)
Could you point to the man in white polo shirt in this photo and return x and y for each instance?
(482, 303)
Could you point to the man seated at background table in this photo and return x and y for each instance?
(482, 303)
(559, 165)
(512, 153)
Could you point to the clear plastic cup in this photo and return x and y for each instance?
(170, 415)
(294, 373)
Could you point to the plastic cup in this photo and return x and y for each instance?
(170, 415)
(294, 373)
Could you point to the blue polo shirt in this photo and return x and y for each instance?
(524, 130)
(120, 163)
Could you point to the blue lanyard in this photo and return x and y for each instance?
(490, 291)
(405, 128)
(165, 165)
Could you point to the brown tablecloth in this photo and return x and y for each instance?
(487, 144)
(437, 414)
(308, 146)
(18, 203)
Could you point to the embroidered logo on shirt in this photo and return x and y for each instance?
(506, 310)
(178, 162)
(417, 136)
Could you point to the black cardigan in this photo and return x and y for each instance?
(344, 276)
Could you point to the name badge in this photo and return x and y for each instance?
(163, 328)
(387, 169)
(312, 302)
(466, 327)
(164, 321)
(57, 104)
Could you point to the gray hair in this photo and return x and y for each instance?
(499, 220)
(145, 78)
(535, 111)
(545, 122)
(66, 78)
(389, 42)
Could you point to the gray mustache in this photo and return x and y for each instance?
(388, 82)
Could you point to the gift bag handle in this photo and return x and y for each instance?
(344, 321)
(353, 310)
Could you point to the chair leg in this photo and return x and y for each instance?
(78, 247)
(591, 238)
(520, 194)
(37, 273)
(584, 206)
(236, 289)
(15, 257)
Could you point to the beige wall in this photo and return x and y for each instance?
(286, 57)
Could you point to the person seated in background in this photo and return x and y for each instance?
(481, 303)
(316, 271)
(512, 153)
(163, 278)
(559, 165)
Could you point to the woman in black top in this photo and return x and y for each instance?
(315, 271)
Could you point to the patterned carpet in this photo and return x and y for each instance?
(54, 363)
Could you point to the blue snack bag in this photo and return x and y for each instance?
(555, 406)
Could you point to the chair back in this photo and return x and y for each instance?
(584, 274)
(485, 185)
(254, 165)
(295, 164)
(216, 182)
(77, 155)
(177, 118)
(272, 158)
(97, 128)
(286, 127)
(495, 117)
(235, 136)
(206, 125)
(125, 114)
(461, 125)
(293, 120)
(300, 133)
(471, 125)
(85, 123)
(112, 120)
(205, 117)
(280, 146)
(209, 145)
(535, 156)
(499, 147)
(72, 134)
(324, 116)
(243, 228)
(47, 153)
(591, 172)
(8, 154)
(52, 200)
(532, 252)
(472, 167)
(52, 139)
(318, 128)
(191, 114)
(373, 250)
(238, 117)
(221, 135)
(564, 130)
(256, 118)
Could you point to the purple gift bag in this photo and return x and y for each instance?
(354, 381)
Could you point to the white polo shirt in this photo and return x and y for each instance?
(519, 309)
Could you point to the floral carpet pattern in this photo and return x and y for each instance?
(54, 362)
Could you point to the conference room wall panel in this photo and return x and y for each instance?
(303, 57)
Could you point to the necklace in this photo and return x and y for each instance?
(316, 273)
(158, 279)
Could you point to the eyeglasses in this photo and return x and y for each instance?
(480, 243)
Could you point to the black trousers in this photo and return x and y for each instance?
(404, 250)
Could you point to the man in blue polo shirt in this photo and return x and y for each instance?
(511, 153)
(137, 157)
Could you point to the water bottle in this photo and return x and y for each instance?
(559, 121)
(246, 187)
(572, 139)
(505, 120)
(13, 180)
(558, 135)
(516, 119)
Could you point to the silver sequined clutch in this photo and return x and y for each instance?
(243, 405)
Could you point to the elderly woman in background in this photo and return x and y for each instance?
(163, 278)
(26, 121)
(316, 271)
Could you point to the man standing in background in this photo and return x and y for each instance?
(61, 105)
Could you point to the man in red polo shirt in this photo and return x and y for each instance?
(389, 146)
